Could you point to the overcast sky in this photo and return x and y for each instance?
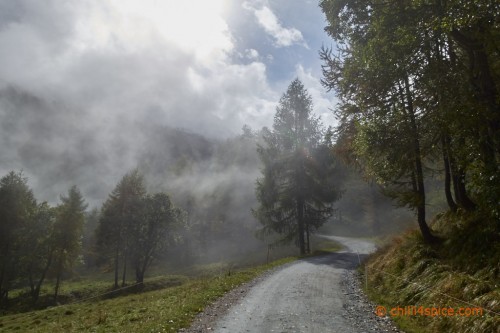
(76, 75)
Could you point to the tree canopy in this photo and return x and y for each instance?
(418, 83)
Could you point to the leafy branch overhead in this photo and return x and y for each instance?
(418, 88)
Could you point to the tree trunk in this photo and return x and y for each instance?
(464, 199)
(447, 175)
(116, 267)
(4, 290)
(139, 276)
(458, 177)
(4, 298)
(455, 179)
(148, 258)
(308, 245)
(300, 222)
(140, 270)
(486, 93)
(36, 292)
(124, 275)
(2, 274)
(58, 278)
(419, 174)
(31, 281)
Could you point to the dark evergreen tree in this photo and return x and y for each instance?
(297, 190)
(67, 235)
(17, 208)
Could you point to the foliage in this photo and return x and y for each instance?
(17, 210)
(156, 231)
(67, 232)
(135, 226)
(418, 82)
(38, 255)
(297, 190)
(120, 213)
(37, 240)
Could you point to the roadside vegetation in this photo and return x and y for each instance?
(166, 302)
(171, 307)
(419, 109)
(462, 270)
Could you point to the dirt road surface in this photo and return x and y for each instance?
(307, 296)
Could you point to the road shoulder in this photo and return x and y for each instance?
(205, 321)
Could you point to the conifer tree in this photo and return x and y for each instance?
(68, 230)
(296, 192)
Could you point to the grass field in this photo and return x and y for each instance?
(165, 303)
(164, 310)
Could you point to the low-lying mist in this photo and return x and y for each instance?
(213, 180)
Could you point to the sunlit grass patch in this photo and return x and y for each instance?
(323, 246)
(165, 310)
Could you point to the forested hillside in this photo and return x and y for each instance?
(420, 107)
(418, 90)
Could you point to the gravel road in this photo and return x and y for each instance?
(318, 294)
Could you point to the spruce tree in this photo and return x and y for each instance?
(296, 192)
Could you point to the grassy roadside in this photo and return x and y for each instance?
(324, 246)
(461, 271)
(165, 310)
(165, 303)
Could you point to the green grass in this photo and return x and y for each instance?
(464, 265)
(84, 288)
(324, 246)
(165, 303)
(165, 310)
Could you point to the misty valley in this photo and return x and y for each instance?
(189, 202)
(249, 166)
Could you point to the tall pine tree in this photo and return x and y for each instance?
(296, 192)
(68, 229)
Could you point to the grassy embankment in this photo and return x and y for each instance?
(165, 304)
(164, 310)
(462, 270)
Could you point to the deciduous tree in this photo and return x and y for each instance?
(154, 232)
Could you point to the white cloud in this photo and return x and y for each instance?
(269, 21)
(89, 76)
(122, 58)
(80, 81)
(251, 54)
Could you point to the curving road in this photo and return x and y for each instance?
(303, 297)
